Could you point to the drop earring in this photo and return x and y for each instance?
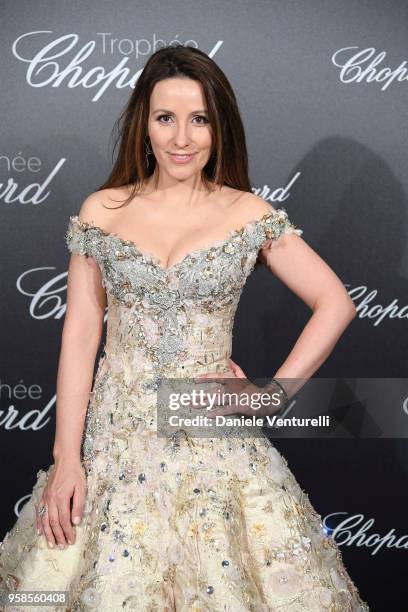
(148, 152)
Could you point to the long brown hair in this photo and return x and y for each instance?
(228, 163)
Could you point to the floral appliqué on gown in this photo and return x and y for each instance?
(179, 523)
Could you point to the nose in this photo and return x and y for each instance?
(182, 136)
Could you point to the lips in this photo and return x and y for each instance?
(181, 158)
(182, 154)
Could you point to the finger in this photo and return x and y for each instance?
(200, 399)
(239, 373)
(236, 369)
(205, 395)
(38, 518)
(210, 398)
(234, 366)
(65, 521)
(46, 529)
(54, 522)
(78, 505)
(202, 390)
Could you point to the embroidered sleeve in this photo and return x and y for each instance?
(275, 225)
(76, 237)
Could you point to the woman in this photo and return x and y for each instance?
(139, 521)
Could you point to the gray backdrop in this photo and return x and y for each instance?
(322, 87)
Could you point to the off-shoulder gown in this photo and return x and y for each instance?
(185, 523)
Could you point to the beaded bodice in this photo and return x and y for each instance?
(162, 319)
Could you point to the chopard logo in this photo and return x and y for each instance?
(369, 307)
(15, 418)
(61, 60)
(34, 193)
(364, 65)
(344, 535)
(49, 299)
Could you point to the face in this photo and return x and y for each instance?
(178, 127)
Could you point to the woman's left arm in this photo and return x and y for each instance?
(309, 277)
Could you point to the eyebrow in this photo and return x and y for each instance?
(163, 110)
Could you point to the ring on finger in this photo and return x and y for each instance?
(42, 511)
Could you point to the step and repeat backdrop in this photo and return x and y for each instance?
(322, 88)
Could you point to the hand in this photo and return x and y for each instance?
(67, 479)
(248, 395)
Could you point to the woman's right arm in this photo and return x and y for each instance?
(81, 337)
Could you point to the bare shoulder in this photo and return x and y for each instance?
(100, 206)
(250, 206)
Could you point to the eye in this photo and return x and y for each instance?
(204, 122)
(202, 117)
(160, 117)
